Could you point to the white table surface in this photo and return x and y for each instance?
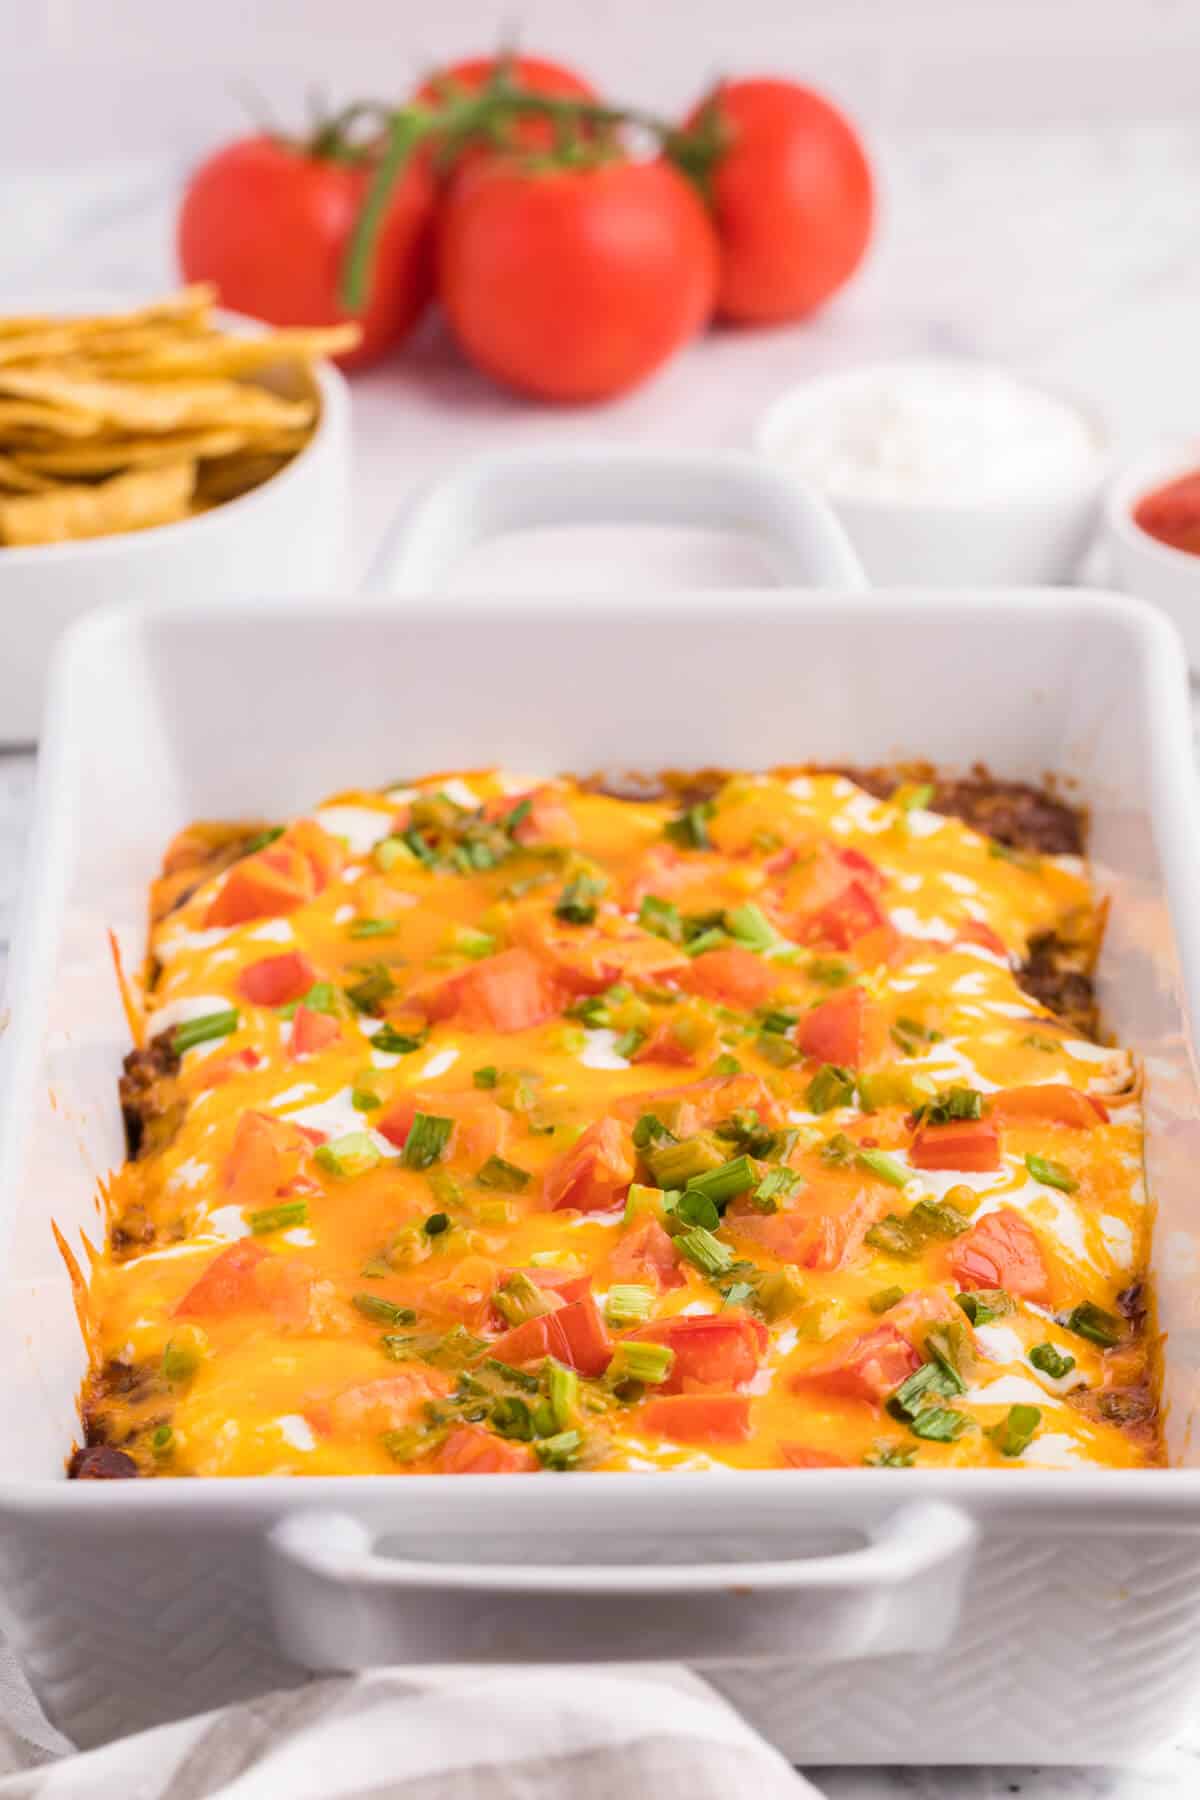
(1073, 253)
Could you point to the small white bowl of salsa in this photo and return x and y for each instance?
(1153, 525)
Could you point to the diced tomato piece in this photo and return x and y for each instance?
(466, 1292)
(699, 1418)
(215, 1070)
(863, 869)
(922, 1308)
(386, 1403)
(266, 1155)
(1002, 1251)
(595, 1173)
(972, 1144)
(586, 960)
(647, 1256)
(664, 1046)
(700, 1104)
(798, 1456)
(823, 1227)
(978, 931)
(846, 1029)
(668, 873)
(575, 1333)
(863, 1367)
(716, 1351)
(287, 874)
(1053, 1103)
(227, 1285)
(509, 992)
(263, 886)
(733, 977)
(548, 820)
(311, 1031)
(843, 921)
(275, 980)
(473, 1451)
(562, 1283)
(480, 1126)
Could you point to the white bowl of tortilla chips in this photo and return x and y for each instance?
(167, 450)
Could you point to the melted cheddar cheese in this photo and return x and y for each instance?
(486, 1125)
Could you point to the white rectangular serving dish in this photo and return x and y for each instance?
(856, 1616)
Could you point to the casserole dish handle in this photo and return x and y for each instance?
(340, 1603)
(514, 490)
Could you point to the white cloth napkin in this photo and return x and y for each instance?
(507, 1734)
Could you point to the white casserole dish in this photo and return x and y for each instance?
(286, 537)
(855, 1616)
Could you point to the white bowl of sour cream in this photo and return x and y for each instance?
(945, 471)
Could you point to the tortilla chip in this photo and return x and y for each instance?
(23, 481)
(126, 503)
(167, 407)
(194, 302)
(28, 419)
(220, 354)
(100, 455)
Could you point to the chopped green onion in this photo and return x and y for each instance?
(985, 1304)
(427, 1138)
(368, 994)
(372, 928)
(179, 1362)
(162, 1444)
(712, 939)
(629, 1043)
(839, 1150)
(628, 1304)
(885, 1299)
(383, 1312)
(1091, 1322)
(916, 799)
(650, 1130)
(202, 1030)
(695, 1208)
(778, 1019)
(486, 1077)
(949, 1347)
(886, 1167)
(518, 815)
(561, 1451)
(908, 1236)
(776, 1293)
(952, 1103)
(504, 1176)
(831, 1086)
(889, 1456)
(396, 1043)
(1051, 1173)
(726, 1065)
(750, 927)
(475, 944)
(740, 1293)
(562, 1391)
(409, 1442)
(1051, 1361)
(707, 1252)
(661, 917)
(779, 1051)
(725, 1182)
(577, 902)
(650, 1363)
(776, 1184)
(1012, 1435)
(909, 1035)
(389, 851)
(690, 829)
(678, 1164)
(436, 1224)
(930, 1379)
(353, 1154)
(939, 1424)
(321, 997)
(1048, 1045)
(278, 1218)
(830, 971)
(364, 1098)
(261, 839)
(643, 1200)
(519, 1298)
